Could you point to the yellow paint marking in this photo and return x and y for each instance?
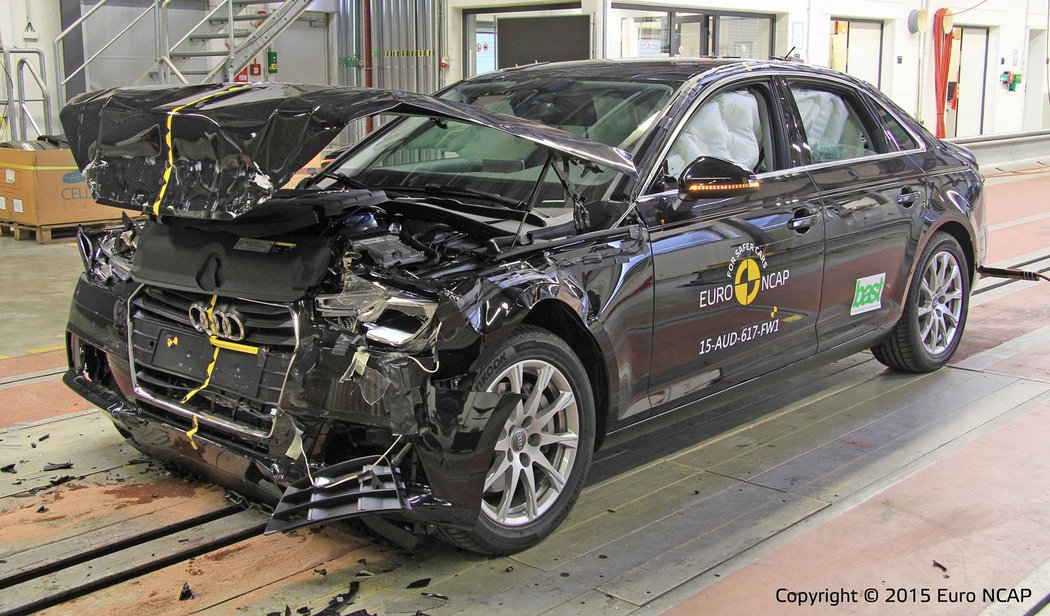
(40, 168)
(207, 377)
(792, 318)
(57, 347)
(233, 346)
(167, 139)
(214, 357)
(5, 357)
(192, 431)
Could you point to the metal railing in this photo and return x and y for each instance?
(17, 106)
(225, 14)
(154, 8)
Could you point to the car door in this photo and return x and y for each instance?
(737, 280)
(873, 195)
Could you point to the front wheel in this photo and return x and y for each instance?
(934, 312)
(541, 458)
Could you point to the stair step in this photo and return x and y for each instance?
(250, 2)
(253, 17)
(198, 54)
(188, 73)
(220, 35)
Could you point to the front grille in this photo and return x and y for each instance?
(170, 358)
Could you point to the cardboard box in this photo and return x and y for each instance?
(45, 187)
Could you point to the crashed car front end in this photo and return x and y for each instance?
(309, 386)
(311, 349)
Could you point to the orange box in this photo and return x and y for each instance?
(45, 187)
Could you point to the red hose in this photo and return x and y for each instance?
(942, 55)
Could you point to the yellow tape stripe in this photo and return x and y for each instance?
(214, 357)
(36, 168)
(233, 346)
(167, 139)
(207, 378)
(193, 431)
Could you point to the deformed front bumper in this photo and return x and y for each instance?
(453, 447)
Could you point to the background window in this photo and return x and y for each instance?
(744, 37)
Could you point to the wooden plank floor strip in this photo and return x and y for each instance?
(54, 588)
(89, 441)
(242, 578)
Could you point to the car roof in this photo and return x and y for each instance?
(664, 70)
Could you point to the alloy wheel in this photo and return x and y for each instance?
(940, 303)
(537, 447)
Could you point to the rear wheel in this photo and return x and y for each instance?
(934, 312)
(544, 449)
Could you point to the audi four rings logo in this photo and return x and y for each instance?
(223, 324)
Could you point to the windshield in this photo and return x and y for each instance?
(421, 152)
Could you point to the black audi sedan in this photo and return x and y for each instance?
(437, 330)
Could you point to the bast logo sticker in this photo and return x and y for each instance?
(73, 177)
(868, 294)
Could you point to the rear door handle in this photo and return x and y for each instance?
(802, 220)
(908, 197)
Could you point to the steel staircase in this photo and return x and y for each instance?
(216, 48)
(233, 32)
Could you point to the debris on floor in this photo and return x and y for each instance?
(420, 583)
(8, 468)
(186, 593)
(52, 466)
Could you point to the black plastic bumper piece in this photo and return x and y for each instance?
(356, 487)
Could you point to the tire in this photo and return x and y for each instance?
(555, 453)
(935, 311)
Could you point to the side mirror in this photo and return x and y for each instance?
(711, 178)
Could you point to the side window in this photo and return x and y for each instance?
(733, 126)
(833, 128)
(896, 134)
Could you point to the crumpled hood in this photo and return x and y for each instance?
(214, 151)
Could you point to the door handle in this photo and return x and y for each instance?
(908, 197)
(802, 220)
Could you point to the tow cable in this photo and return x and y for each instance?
(1016, 274)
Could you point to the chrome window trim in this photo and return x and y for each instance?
(771, 174)
(211, 420)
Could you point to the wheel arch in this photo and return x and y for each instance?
(562, 321)
(959, 232)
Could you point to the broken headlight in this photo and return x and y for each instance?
(387, 316)
(107, 253)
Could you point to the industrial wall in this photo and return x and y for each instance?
(1012, 32)
(1016, 32)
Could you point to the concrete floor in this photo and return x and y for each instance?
(36, 283)
(850, 478)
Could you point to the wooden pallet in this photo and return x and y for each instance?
(50, 234)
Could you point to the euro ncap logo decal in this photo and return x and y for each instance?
(747, 282)
(868, 294)
(749, 276)
(73, 177)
